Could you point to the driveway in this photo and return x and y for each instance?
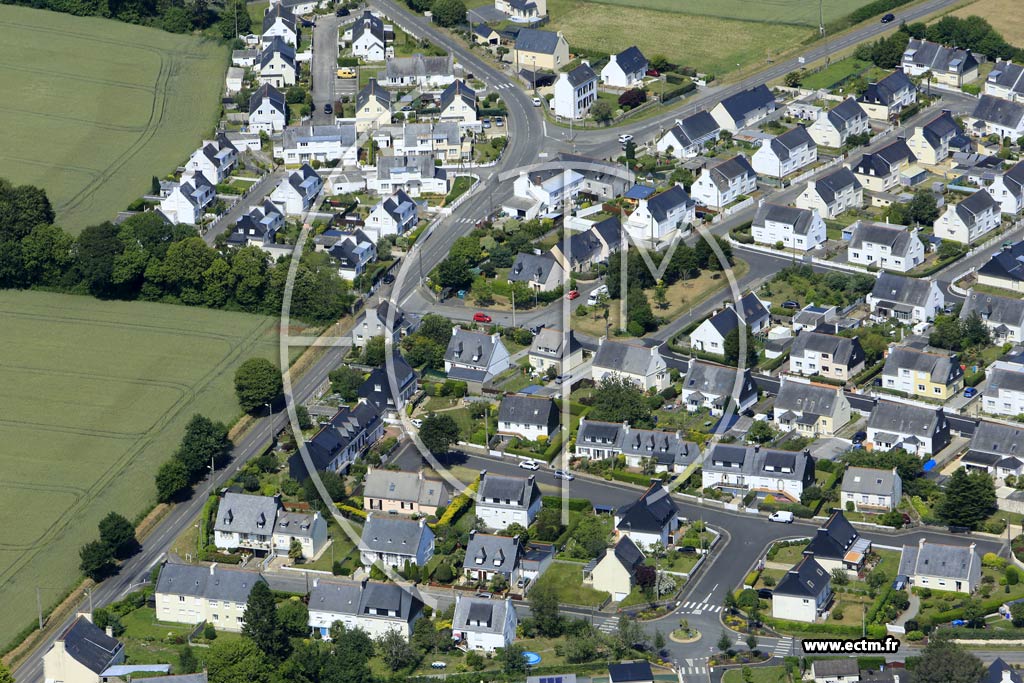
(324, 67)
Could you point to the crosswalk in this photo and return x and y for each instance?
(783, 646)
(694, 667)
(608, 625)
(697, 607)
(504, 86)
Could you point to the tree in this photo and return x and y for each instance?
(617, 400)
(659, 640)
(293, 616)
(590, 535)
(118, 534)
(761, 432)
(260, 624)
(448, 12)
(731, 347)
(97, 560)
(171, 479)
(970, 499)
(579, 649)
(346, 382)
(1017, 614)
(512, 659)
(204, 441)
(724, 642)
(639, 316)
(373, 353)
(943, 661)
(96, 249)
(923, 208)
(257, 382)
(425, 636)
(438, 433)
(840, 577)
(236, 660)
(544, 608)
(628, 635)
(794, 79)
(633, 97)
(752, 642)
(602, 111)
(395, 651)
(295, 550)
(548, 524)
(187, 663)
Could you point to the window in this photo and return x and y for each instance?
(181, 598)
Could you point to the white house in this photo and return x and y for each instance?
(885, 99)
(1006, 80)
(393, 215)
(475, 357)
(533, 418)
(689, 136)
(834, 127)
(374, 607)
(941, 567)
(785, 154)
(277, 65)
(720, 185)
(950, 66)
(246, 522)
(502, 501)
(82, 653)
(192, 594)
(368, 38)
(815, 353)
(309, 530)
(651, 519)
(667, 451)
(279, 22)
(640, 365)
(418, 71)
(615, 572)
(353, 251)
(840, 671)
(416, 174)
(905, 298)
(349, 434)
(267, 110)
(883, 245)
(1004, 394)
(258, 227)
(394, 541)
(575, 91)
(373, 322)
(304, 144)
(188, 200)
(215, 159)
(744, 109)
(741, 469)
(489, 556)
(541, 272)
(373, 107)
(712, 386)
(931, 141)
(710, 335)
(800, 229)
(552, 348)
(871, 490)
(996, 449)
(458, 103)
(1003, 316)
(659, 218)
(803, 593)
(993, 116)
(625, 70)
(483, 624)
(972, 218)
(522, 11)
(832, 194)
(295, 194)
(1007, 188)
(918, 430)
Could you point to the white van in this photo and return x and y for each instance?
(783, 516)
(596, 295)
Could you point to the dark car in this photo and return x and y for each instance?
(328, 109)
(790, 304)
(764, 593)
(957, 529)
(388, 279)
(341, 12)
(306, 23)
(859, 437)
(888, 18)
(687, 549)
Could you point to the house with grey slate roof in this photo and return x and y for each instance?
(582, 250)
(996, 449)
(369, 39)
(1004, 393)
(295, 194)
(540, 50)
(394, 215)
(416, 174)
(374, 607)
(257, 227)
(347, 436)
(1007, 188)
(740, 469)
(832, 194)
(813, 410)
(626, 69)
(744, 109)
(969, 220)
(905, 299)
(458, 103)
(720, 185)
(1005, 80)
(933, 141)
(406, 493)
(670, 452)
(246, 522)
(661, 217)
(418, 71)
(689, 136)
(373, 322)
(552, 348)
(835, 671)
(651, 519)
(880, 171)
(277, 65)
(528, 417)
(304, 144)
(483, 624)
(950, 66)
(389, 388)
(804, 593)
(474, 357)
(994, 116)
(795, 228)
(279, 21)
(785, 154)
(310, 530)
(932, 374)
(887, 98)
(193, 594)
(81, 653)
(713, 386)
(524, 11)
(490, 555)
(503, 500)
(833, 127)
(1003, 316)
(941, 567)
(267, 110)
(816, 353)
(639, 365)
(917, 430)
(541, 272)
(615, 571)
(837, 545)
(394, 541)
(885, 245)
(871, 490)
(710, 335)
(575, 91)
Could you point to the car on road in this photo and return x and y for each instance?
(407, 108)
(783, 516)
(484, 596)
(573, 294)
(328, 109)
(346, 72)
(341, 12)
(416, 422)
(625, 137)
(536, 101)
(859, 437)
(481, 318)
(388, 279)
(888, 18)
(529, 465)
(562, 474)
(970, 392)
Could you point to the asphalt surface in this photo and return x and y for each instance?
(324, 66)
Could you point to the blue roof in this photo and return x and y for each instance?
(639, 192)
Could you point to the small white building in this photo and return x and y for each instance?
(918, 430)
(296, 193)
(268, 111)
(800, 229)
(625, 70)
(710, 335)
(279, 22)
(277, 65)
(305, 144)
(651, 519)
(803, 593)
(575, 91)
(718, 186)
(394, 541)
(744, 109)
(886, 99)
(483, 624)
(972, 218)
(458, 103)
(640, 365)
(368, 38)
(475, 357)
(661, 217)
(373, 107)
(689, 136)
(1004, 394)
(188, 200)
(916, 300)
(871, 490)
(1003, 316)
(309, 530)
(884, 245)
(1007, 188)
(393, 215)
(533, 418)
(941, 567)
(502, 501)
(785, 154)
(712, 386)
(993, 116)
(246, 522)
(1006, 81)
(415, 174)
(193, 594)
(741, 469)
(834, 127)
(215, 159)
(832, 194)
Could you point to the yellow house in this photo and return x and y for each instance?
(810, 409)
(930, 142)
(616, 571)
(927, 374)
(81, 654)
(880, 171)
(373, 107)
(540, 50)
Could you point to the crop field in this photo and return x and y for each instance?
(1004, 15)
(96, 395)
(769, 11)
(94, 108)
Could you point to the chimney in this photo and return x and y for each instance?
(423, 521)
(472, 534)
(483, 473)
(757, 448)
(365, 580)
(109, 630)
(920, 543)
(212, 568)
(532, 478)
(316, 581)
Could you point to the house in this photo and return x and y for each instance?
(933, 375)
(651, 519)
(803, 593)
(522, 10)
(885, 246)
(483, 624)
(234, 80)
(625, 70)
(917, 430)
(816, 353)
(660, 217)
(277, 65)
(785, 154)
(835, 671)
(348, 435)
(458, 103)
(541, 272)
(1006, 81)
(996, 449)
(930, 142)
(799, 229)
(744, 109)
(1001, 672)
(407, 493)
(1005, 269)
(193, 594)
(884, 100)
(712, 386)
(393, 215)
(871, 490)
(414, 173)
(812, 317)
(837, 545)
(188, 200)
(905, 298)
(299, 7)
(535, 50)
(387, 397)
(1004, 394)
(354, 252)
(81, 653)
(812, 410)
(630, 672)
(309, 530)
(268, 112)
(549, 189)
(245, 58)
(941, 567)
(369, 41)
(369, 605)
(689, 136)
(502, 501)
(246, 522)
(949, 66)
(575, 91)
(296, 193)
(552, 348)
(474, 357)
(443, 139)
(489, 556)
(1007, 188)
(833, 193)
(972, 218)
(373, 322)
(279, 22)
(534, 561)
(485, 35)
(395, 541)
(581, 250)
(215, 159)
(720, 185)
(258, 227)
(305, 144)
(1003, 316)
(710, 335)
(880, 171)
(532, 418)
(741, 469)
(373, 107)
(834, 127)
(615, 571)
(993, 116)
(669, 451)
(418, 72)
(639, 365)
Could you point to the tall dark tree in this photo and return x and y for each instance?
(238, 660)
(970, 499)
(97, 562)
(943, 661)
(118, 534)
(97, 248)
(439, 432)
(732, 349)
(257, 383)
(260, 623)
(619, 400)
(22, 208)
(448, 12)
(204, 440)
(513, 661)
(172, 478)
(544, 608)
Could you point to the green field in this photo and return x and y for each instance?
(94, 108)
(96, 394)
(770, 11)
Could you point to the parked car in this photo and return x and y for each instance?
(346, 72)
(790, 304)
(573, 294)
(481, 318)
(407, 107)
(416, 422)
(562, 474)
(388, 279)
(341, 12)
(970, 392)
(328, 109)
(536, 101)
(783, 516)
(888, 18)
(499, 122)
(529, 465)
(764, 593)
(689, 549)
(625, 137)
(859, 437)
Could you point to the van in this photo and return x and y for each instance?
(346, 72)
(595, 295)
(784, 516)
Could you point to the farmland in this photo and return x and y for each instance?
(94, 108)
(96, 394)
(768, 11)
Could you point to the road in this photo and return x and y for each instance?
(257, 193)
(324, 67)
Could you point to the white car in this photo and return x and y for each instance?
(417, 423)
(624, 138)
(784, 516)
(536, 101)
(529, 465)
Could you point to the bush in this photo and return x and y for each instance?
(914, 636)
(348, 511)
(459, 505)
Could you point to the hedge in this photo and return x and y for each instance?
(575, 504)
(349, 512)
(867, 373)
(669, 95)
(631, 477)
(774, 363)
(801, 511)
(864, 13)
(459, 505)
(988, 607)
(973, 379)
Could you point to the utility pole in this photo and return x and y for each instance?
(821, 20)
(513, 307)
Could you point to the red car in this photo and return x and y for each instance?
(481, 318)
(573, 294)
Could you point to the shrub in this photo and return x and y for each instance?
(993, 560)
(459, 505)
(348, 511)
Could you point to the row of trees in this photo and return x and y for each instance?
(226, 20)
(116, 542)
(204, 445)
(972, 33)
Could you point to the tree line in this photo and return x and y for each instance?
(146, 258)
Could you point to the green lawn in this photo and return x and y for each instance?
(835, 72)
(96, 395)
(460, 185)
(761, 674)
(94, 108)
(777, 11)
(675, 561)
(567, 578)
(148, 641)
